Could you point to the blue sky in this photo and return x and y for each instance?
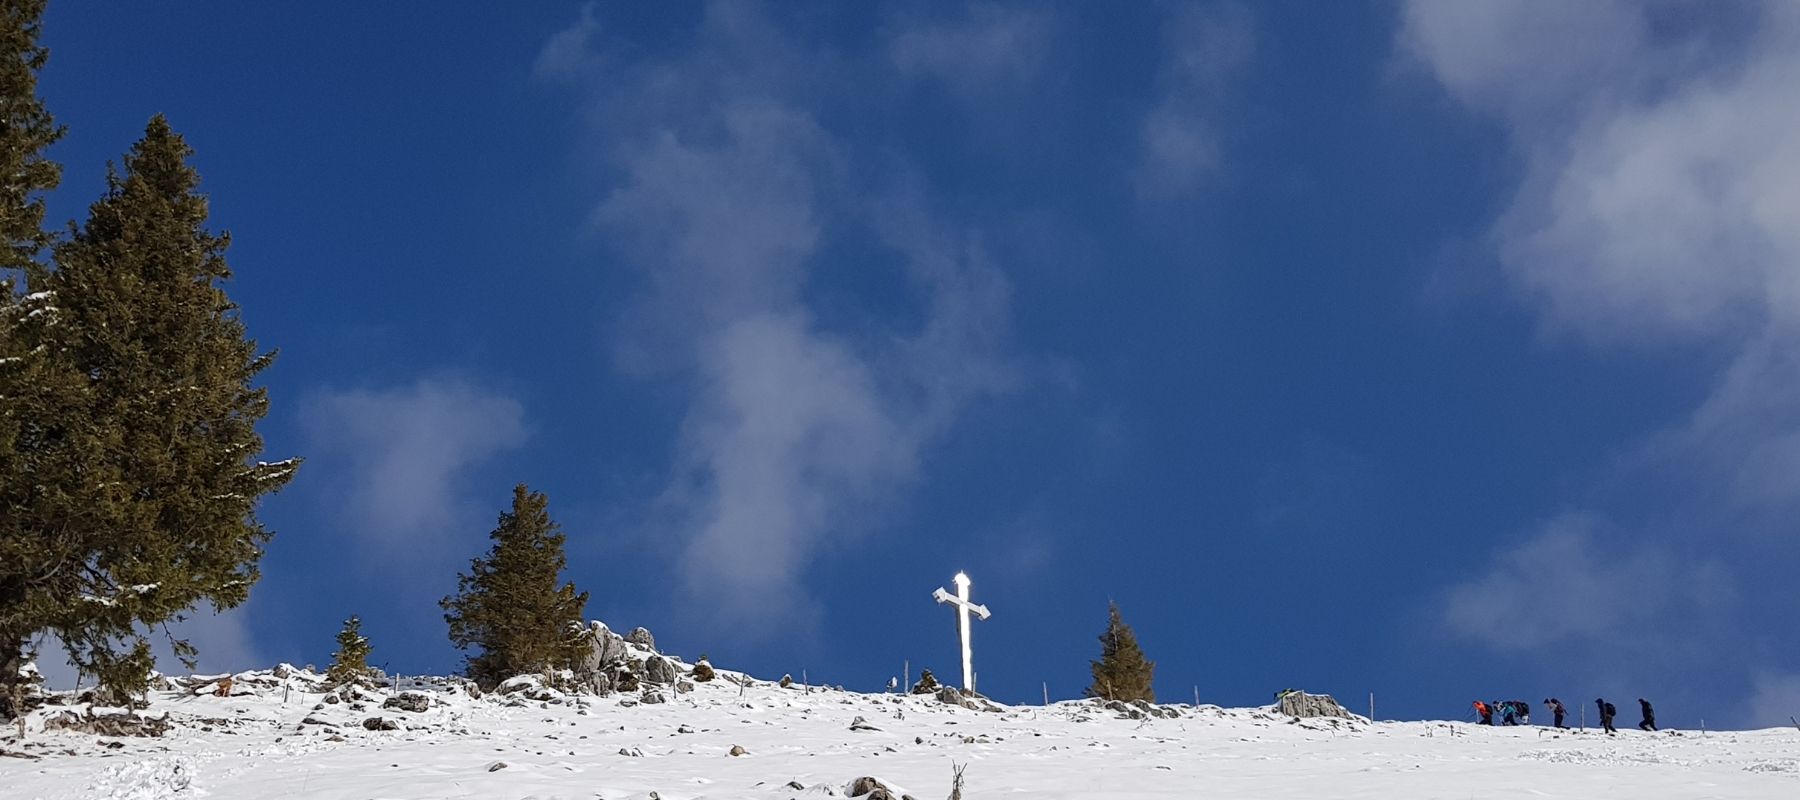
(1434, 350)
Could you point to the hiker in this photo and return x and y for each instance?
(1507, 712)
(1523, 710)
(1606, 715)
(1649, 723)
(1556, 707)
(1486, 713)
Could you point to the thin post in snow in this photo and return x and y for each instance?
(1196, 696)
(1046, 693)
(1702, 726)
(1584, 717)
(906, 675)
(1371, 706)
(804, 682)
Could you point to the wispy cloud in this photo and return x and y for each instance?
(399, 454)
(1660, 181)
(1205, 49)
(1567, 585)
(990, 49)
(798, 434)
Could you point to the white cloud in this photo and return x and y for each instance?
(993, 48)
(1206, 47)
(1567, 585)
(1661, 178)
(798, 435)
(398, 455)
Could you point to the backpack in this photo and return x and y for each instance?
(1610, 711)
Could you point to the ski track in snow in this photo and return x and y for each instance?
(254, 745)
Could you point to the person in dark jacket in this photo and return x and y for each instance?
(1649, 723)
(1556, 707)
(1606, 715)
(1485, 712)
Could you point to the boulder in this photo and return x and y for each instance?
(1296, 703)
(703, 671)
(415, 702)
(652, 696)
(869, 788)
(660, 670)
(738, 750)
(380, 724)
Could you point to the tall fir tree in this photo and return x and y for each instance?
(1122, 673)
(509, 604)
(350, 663)
(34, 384)
(154, 512)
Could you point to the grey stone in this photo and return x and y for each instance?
(415, 702)
(738, 750)
(1300, 704)
(496, 766)
(121, 724)
(380, 724)
(652, 697)
(870, 789)
(660, 670)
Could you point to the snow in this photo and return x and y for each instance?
(535, 742)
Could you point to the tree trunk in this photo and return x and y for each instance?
(13, 688)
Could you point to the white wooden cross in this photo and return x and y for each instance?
(963, 607)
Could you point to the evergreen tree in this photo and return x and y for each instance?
(154, 511)
(509, 604)
(33, 384)
(1122, 673)
(351, 661)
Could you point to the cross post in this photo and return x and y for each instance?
(963, 609)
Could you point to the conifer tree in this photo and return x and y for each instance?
(351, 661)
(1122, 673)
(33, 384)
(154, 511)
(509, 605)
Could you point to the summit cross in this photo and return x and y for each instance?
(963, 609)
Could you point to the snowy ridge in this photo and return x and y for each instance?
(285, 733)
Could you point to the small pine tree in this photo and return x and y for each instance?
(509, 604)
(1122, 673)
(350, 663)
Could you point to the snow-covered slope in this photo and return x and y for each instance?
(277, 738)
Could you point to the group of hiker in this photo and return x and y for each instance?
(1518, 712)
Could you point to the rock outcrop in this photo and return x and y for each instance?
(1296, 703)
